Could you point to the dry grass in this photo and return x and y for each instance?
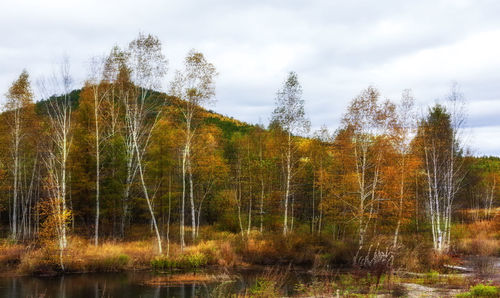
(82, 256)
(186, 278)
(218, 252)
(224, 249)
(479, 238)
(275, 249)
(11, 253)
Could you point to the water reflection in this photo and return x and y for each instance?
(96, 285)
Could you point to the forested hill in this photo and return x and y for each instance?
(228, 125)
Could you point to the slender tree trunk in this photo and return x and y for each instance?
(261, 204)
(183, 200)
(131, 167)
(261, 187)
(249, 217)
(250, 192)
(98, 168)
(320, 221)
(238, 197)
(191, 198)
(169, 209)
(287, 187)
(491, 196)
(153, 218)
(400, 207)
(14, 199)
(313, 216)
(15, 203)
(65, 152)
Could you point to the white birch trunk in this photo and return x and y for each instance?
(287, 185)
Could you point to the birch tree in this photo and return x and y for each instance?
(438, 136)
(116, 77)
(319, 158)
(119, 73)
(490, 185)
(142, 111)
(402, 133)
(99, 91)
(194, 86)
(19, 111)
(59, 110)
(290, 115)
(368, 120)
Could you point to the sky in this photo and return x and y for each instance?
(337, 48)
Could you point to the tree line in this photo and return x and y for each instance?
(117, 155)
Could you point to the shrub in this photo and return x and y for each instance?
(481, 290)
(106, 263)
(196, 260)
(187, 261)
(432, 277)
(161, 263)
(264, 288)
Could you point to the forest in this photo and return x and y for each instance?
(115, 175)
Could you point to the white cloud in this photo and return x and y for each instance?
(484, 140)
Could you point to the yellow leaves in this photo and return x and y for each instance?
(20, 93)
(54, 218)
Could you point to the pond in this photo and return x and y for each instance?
(125, 284)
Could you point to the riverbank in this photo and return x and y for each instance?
(218, 249)
(322, 264)
(229, 250)
(238, 282)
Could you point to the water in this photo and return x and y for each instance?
(130, 284)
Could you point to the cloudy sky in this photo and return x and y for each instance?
(338, 48)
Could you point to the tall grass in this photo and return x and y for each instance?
(10, 254)
(83, 256)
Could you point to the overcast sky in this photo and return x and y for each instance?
(338, 48)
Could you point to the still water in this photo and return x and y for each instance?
(129, 284)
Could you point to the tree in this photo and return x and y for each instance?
(210, 169)
(290, 115)
(20, 112)
(59, 109)
(440, 150)
(490, 179)
(402, 132)
(148, 66)
(98, 92)
(368, 122)
(118, 72)
(134, 75)
(194, 86)
(116, 159)
(318, 151)
(163, 165)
